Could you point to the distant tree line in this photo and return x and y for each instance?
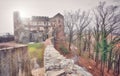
(6, 38)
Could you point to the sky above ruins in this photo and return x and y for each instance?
(49, 8)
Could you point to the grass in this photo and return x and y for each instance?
(36, 50)
(64, 50)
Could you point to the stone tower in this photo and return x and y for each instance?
(17, 22)
(59, 37)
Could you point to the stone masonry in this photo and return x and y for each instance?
(57, 65)
(14, 60)
(38, 28)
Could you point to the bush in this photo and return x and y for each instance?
(64, 50)
(36, 50)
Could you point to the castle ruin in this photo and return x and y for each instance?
(38, 28)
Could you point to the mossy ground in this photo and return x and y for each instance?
(36, 50)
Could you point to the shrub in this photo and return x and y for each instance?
(64, 50)
(36, 50)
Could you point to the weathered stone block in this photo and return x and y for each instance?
(14, 60)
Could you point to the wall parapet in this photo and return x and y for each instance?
(57, 65)
(14, 60)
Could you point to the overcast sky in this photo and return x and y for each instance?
(49, 8)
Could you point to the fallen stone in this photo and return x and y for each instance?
(54, 73)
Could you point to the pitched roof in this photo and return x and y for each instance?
(59, 15)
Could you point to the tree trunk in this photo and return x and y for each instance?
(109, 61)
(69, 46)
(97, 55)
(80, 52)
(102, 68)
(70, 41)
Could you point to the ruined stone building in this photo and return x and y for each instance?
(38, 28)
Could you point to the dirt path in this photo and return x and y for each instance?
(48, 42)
(37, 71)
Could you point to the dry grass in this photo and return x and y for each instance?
(36, 50)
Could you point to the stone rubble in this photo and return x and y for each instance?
(57, 65)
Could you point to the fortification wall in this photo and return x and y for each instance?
(14, 61)
(57, 65)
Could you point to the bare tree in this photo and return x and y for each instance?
(83, 21)
(89, 41)
(75, 23)
(107, 21)
(70, 19)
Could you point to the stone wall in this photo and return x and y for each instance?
(57, 65)
(14, 61)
